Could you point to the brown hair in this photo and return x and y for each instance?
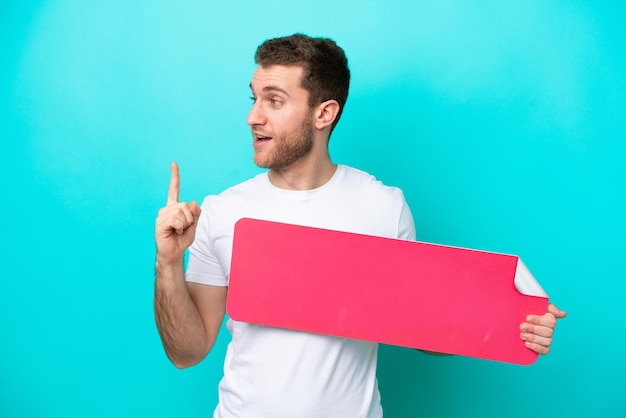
(325, 67)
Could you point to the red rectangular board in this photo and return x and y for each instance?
(406, 293)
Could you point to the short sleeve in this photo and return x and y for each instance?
(203, 264)
(406, 225)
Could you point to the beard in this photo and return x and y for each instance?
(287, 148)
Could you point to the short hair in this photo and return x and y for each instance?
(325, 76)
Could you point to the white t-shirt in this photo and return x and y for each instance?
(271, 372)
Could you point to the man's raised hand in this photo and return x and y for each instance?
(175, 224)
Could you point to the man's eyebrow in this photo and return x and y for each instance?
(272, 88)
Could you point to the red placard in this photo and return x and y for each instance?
(406, 293)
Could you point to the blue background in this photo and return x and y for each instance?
(503, 122)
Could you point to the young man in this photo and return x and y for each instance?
(299, 90)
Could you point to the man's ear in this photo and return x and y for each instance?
(326, 113)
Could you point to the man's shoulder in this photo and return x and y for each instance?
(360, 179)
(250, 185)
(354, 172)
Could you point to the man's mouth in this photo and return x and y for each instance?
(261, 138)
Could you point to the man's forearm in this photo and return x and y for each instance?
(178, 320)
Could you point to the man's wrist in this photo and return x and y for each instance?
(168, 268)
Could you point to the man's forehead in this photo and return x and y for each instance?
(282, 76)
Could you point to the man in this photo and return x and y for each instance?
(299, 90)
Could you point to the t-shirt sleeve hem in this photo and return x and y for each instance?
(208, 280)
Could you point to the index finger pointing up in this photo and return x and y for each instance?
(174, 190)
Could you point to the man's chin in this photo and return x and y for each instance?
(261, 163)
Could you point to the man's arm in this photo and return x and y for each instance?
(188, 316)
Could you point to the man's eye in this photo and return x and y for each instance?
(275, 102)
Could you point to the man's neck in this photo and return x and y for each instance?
(304, 175)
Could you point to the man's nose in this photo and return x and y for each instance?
(256, 115)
